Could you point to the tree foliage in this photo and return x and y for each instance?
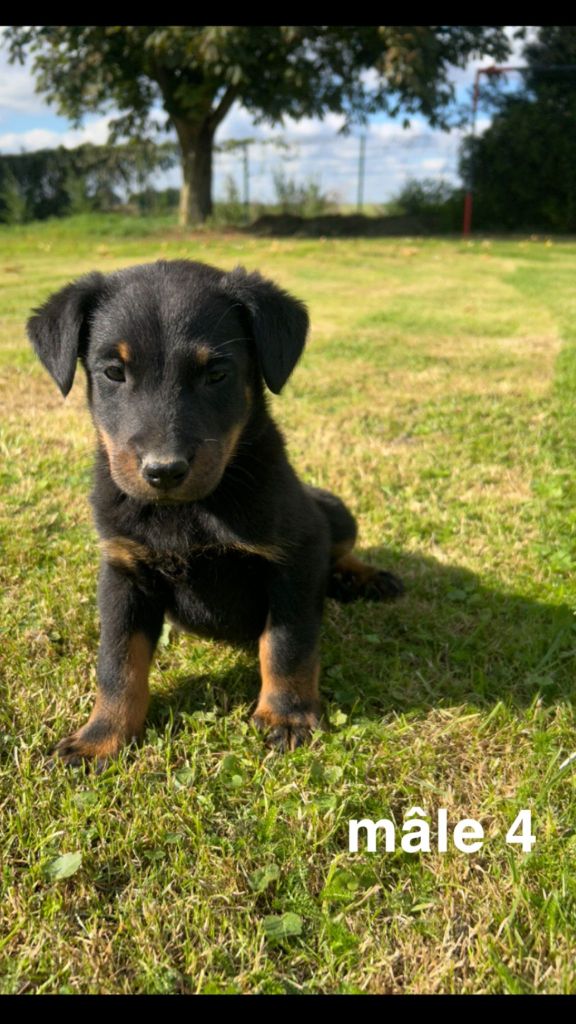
(522, 168)
(275, 71)
(55, 182)
(188, 77)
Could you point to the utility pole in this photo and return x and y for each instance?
(232, 145)
(361, 165)
(246, 183)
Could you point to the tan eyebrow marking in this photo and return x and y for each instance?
(202, 353)
(124, 351)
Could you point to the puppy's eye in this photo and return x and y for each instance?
(215, 376)
(115, 372)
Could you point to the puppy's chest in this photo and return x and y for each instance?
(213, 590)
(189, 565)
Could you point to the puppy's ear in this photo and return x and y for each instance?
(59, 328)
(279, 323)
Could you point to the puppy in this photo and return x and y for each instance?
(201, 517)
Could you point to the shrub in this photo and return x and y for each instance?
(305, 200)
(436, 202)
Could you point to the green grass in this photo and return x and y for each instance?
(438, 397)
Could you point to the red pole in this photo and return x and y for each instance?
(494, 70)
(467, 222)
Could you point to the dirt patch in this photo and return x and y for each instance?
(337, 225)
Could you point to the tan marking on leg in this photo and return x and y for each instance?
(115, 719)
(288, 704)
(124, 552)
(271, 552)
(128, 712)
(303, 683)
(361, 570)
(352, 579)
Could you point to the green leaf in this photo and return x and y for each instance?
(323, 802)
(230, 763)
(342, 887)
(184, 778)
(281, 927)
(64, 866)
(203, 716)
(263, 877)
(88, 799)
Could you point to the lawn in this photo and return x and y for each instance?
(437, 396)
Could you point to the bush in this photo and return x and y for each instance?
(57, 182)
(13, 205)
(437, 203)
(231, 209)
(155, 201)
(305, 200)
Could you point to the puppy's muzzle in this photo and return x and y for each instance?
(165, 476)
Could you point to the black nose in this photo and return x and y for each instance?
(165, 475)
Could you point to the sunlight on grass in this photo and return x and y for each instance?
(438, 398)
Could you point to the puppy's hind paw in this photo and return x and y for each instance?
(363, 583)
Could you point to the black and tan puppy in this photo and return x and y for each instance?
(201, 517)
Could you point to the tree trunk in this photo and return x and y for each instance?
(196, 192)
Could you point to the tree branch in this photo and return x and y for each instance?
(223, 107)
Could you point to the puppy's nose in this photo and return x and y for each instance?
(165, 475)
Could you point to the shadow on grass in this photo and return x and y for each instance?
(450, 640)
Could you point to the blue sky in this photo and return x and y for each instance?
(317, 151)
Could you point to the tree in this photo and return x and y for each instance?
(56, 182)
(198, 72)
(13, 206)
(522, 167)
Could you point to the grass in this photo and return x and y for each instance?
(438, 397)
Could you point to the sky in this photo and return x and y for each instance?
(317, 152)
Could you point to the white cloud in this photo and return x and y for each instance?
(435, 164)
(42, 138)
(16, 93)
(17, 89)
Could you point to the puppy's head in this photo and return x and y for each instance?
(174, 353)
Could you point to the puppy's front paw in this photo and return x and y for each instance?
(97, 741)
(288, 729)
